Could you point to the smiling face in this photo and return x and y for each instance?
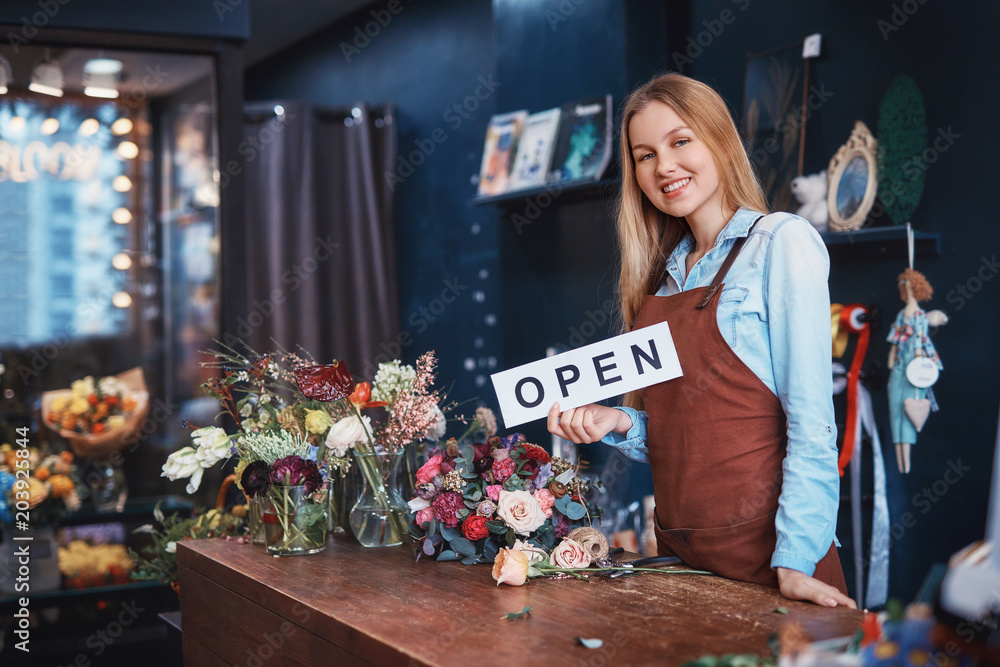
(674, 167)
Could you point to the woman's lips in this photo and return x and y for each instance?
(677, 188)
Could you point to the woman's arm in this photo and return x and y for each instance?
(797, 302)
(623, 428)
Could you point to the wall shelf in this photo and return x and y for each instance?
(880, 243)
(554, 190)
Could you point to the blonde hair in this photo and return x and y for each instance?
(646, 235)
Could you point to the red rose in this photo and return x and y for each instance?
(474, 527)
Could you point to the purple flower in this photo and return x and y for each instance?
(296, 471)
(543, 476)
(256, 479)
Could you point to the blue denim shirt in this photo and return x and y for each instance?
(775, 314)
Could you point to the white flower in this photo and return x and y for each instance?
(391, 379)
(110, 386)
(534, 554)
(171, 547)
(345, 433)
(246, 409)
(213, 445)
(418, 504)
(438, 427)
(521, 511)
(184, 463)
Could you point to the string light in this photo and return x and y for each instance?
(89, 127)
(128, 150)
(122, 183)
(121, 299)
(122, 216)
(121, 261)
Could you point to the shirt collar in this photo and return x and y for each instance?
(739, 225)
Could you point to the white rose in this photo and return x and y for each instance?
(213, 445)
(184, 463)
(438, 426)
(521, 511)
(345, 433)
(534, 554)
(570, 553)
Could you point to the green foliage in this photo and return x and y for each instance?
(902, 138)
(517, 614)
(159, 560)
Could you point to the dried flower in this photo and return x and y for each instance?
(453, 481)
(486, 508)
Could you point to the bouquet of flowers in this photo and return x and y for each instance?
(473, 500)
(97, 416)
(50, 484)
(284, 407)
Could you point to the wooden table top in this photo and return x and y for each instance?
(381, 606)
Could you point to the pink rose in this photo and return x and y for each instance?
(493, 491)
(570, 553)
(521, 511)
(534, 554)
(424, 516)
(546, 500)
(429, 470)
(510, 567)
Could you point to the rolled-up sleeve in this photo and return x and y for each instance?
(633, 443)
(798, 310)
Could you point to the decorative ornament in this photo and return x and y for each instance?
(913, 361)
(902, 139)
(853, 180)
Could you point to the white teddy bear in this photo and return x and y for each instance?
(811, 192)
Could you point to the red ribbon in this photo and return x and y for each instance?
(850, 320)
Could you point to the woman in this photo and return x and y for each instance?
(743, 446)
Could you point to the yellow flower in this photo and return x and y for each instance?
(318, 421)
(240, 467)
(79, 405)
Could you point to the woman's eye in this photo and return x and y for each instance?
(645, 156)
(681, 142)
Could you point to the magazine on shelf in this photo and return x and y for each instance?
(583, 147)
(498, 152)
(534, 150)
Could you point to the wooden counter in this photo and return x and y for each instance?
(355, 606)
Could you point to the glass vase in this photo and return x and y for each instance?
(255, 520)
(295, 522)
(334, 503)
(379, 517)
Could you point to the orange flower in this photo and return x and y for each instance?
(92, 399)
(510, 567)
(66, 456)
(61, 485)
(43, 473)
(361, 396)
(97, 428)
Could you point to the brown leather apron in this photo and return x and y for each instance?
(716, 439)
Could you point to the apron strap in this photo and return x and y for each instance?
(724, 269)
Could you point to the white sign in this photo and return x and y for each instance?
(587, 374)
(811, 45)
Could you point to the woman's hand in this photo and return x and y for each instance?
(796, 585)
(587, 423)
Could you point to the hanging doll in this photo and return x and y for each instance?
(914, 364)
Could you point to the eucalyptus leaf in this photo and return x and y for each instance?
(428, 547)
(575, 511)
(561, 504)
(447, 555)
(462, 546)
(309, 514)
(471, 560)
(449, 533)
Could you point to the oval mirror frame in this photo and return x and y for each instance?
(861, 144)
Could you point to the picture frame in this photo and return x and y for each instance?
(853, 174)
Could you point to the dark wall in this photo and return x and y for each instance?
(194, 18)
(945, 53)
(434, 61)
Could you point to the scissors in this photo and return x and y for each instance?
(652, 561)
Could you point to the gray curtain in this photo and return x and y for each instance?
(320, 259)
